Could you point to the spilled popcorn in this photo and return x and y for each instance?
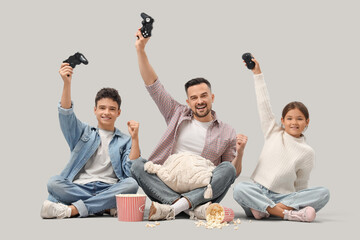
(150, 225)
(216, 223)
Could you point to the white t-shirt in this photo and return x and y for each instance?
(191, 137)
(99, 167)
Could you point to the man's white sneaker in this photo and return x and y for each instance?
(306, 214)
(161, 211)
(199, 212)
(54, 210)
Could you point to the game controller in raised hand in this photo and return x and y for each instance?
(76, 59)
(147, 25)
(247, 58)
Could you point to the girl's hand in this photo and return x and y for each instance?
(256, 69)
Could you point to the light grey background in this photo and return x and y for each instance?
(308, 51)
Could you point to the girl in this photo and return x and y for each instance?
(280, 186)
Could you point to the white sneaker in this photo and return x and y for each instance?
(259, 215)
(306, 214)
(54, 210)
(113, 212)
(161, 211)
(199, 212)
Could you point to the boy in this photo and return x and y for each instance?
(99, 166)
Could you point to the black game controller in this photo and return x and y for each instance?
(147, 25)
(76, 59)
(247, 58)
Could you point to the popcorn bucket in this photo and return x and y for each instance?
(130, 207)
(218, 213)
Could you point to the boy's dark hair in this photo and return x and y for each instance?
(108, 93)
(196, 81)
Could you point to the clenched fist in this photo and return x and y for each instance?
(133, 128)
(241, 141)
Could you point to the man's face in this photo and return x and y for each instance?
(106, 112)
(200, 101)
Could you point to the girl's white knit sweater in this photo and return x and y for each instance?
(285, 162)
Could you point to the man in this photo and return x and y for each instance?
(99, 166)
(193, 128)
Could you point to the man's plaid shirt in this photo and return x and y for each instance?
(220, 141)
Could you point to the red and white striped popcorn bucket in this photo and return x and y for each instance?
(227, 214)
(130, 207)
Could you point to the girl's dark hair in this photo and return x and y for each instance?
(196, 81)
(298, 105)
(108, 93)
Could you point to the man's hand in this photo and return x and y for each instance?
(66, 72)
(241, 141)
(133, 128)
(140, 41)
(256, 69)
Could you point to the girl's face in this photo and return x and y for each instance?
(294, 122)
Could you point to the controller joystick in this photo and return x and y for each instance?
(147, 25)
(247, 58)
(76, 59)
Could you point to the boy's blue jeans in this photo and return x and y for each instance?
(91, 198)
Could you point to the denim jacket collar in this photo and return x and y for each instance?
(117, 132)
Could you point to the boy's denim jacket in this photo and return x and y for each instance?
(84, 140)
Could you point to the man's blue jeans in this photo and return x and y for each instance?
(91, 198)
(223, 176)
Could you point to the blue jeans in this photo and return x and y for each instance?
(253, 195)
(223, 176)
(90, 198)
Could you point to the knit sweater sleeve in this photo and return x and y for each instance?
(267, 117)
(303, 173)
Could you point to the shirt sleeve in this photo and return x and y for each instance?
(166, 104)
(230, 151)
(71, 127)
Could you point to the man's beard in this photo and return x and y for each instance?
(203, 114)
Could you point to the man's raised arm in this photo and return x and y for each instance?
(147, 72)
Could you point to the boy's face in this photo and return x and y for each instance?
(106, 112)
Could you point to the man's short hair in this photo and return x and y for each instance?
(108, 93)
(196, 81)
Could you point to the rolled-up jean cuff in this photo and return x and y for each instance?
(81, 207)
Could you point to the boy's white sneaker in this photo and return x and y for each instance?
(54, 210)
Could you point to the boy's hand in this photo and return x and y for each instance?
(140, 41)
(133, 128)
(241, 141)
(66, 72)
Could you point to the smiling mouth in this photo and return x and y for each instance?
(105, 118)
(201, 107)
